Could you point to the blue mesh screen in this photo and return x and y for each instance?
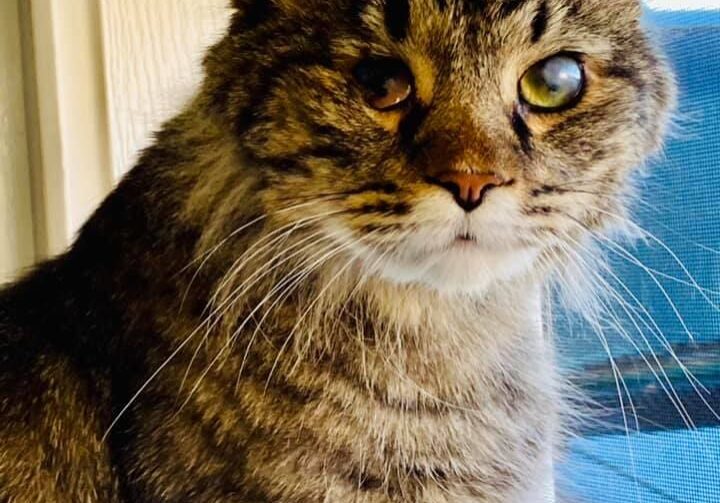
(667, 352)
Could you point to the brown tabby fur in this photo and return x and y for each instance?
(230, 290)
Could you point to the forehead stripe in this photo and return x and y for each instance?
(397, 18)
(474, 6)
(410, 126)
(510, 6)
(523, 132)
(540, 22)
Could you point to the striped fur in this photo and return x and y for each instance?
(273, 307)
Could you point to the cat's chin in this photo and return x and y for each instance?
(462, 268)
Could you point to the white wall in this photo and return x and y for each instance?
(73, 174)
(152, 55)
(99, 77)
(16, 228)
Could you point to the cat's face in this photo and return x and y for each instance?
(452, 143)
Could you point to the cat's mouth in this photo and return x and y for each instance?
(466, 238)
(467, 241)
(472, 242)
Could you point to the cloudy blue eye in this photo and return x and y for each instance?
(553, 84)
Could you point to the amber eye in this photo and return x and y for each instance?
(553, 84)
(387, 82)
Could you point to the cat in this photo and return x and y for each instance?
(323, 282)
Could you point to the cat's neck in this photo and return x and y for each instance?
(411, 340)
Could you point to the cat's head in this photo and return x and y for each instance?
(452, 143)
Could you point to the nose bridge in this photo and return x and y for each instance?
(462, 156)
(463, 115)
(477, 153)
(460, 143)
(467, 92)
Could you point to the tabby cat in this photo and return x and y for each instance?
(323, 283)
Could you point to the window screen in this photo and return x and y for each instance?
(663, 329)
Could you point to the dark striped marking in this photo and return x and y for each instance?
(369, 483)
(342, 156)
(431, 474)
(441, 4)
(385, 208)
(288, 165)
(384, 187)
(575, 8)
(547, 189)
(252, 16)
(474, 6)
(620, 71)
(541, 210)
(258, 12)
(510, 6)
(599, 119)
(253, 492)
(522, 131)
(397, 18)
(398, 480)
(401, 477)
(268, 80)
(411, 124)
(288, 393)
(220, 95)
(373, 229)
(355, 379)
(540, 21)
(355, 11)
(296, 161)
(327, 131)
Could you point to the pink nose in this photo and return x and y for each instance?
(468, 189)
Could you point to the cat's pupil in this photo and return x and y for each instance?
(386, 82)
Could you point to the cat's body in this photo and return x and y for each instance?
(412, 406)
(254, 305)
